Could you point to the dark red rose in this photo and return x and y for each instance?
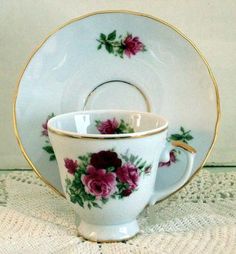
(126, 192)
(71, 165)
(132, 45)
(168, 163)
(105, 159)
(128, 173)
(108, 126)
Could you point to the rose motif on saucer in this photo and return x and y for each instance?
(128, 45)
(44, 133)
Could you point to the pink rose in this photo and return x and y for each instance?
(132, 45)
(45, 128)
(128, 173)
(99, 182)
(108, 126)
(168, 163)
(45, 125)
(71, 165)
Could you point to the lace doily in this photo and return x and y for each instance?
(201, 218)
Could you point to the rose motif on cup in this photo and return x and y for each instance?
(113, 126)
(95, 178)
(105, 159)
(128, 45)
(128, 174)
(99, 182)
(71, 165)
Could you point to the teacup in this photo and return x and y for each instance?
(108, 162)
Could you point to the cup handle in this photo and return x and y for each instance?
(190, 154)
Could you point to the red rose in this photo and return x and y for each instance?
(105, 159)
(108, 126)
(132, 45)
(128, 173)
(71, 165)
(99, 182)
(45, 128)
(168, 163)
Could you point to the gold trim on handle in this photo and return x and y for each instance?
(218, 116)
(184, 146)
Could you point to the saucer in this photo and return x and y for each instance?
(117, 60)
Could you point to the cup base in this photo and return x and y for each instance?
(108, 233)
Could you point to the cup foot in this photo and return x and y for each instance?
(108, 233)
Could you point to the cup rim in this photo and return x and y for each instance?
(107, 136)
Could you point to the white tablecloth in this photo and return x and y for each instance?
(201, 218)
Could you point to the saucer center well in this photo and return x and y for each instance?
(117, 94)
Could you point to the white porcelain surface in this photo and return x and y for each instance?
(169, 78)
(82, 152)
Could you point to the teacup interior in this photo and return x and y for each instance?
(107, 122)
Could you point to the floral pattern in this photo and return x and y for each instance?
(96, 177)
(183, 136)
(112, 126)
(44, 133)
(120, 46)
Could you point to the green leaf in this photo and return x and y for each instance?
(96, 205)
(120, 49)
(124, 127)
(68, 181)
(132, 158)
(103, 37)
(110, 169)
(99, 46)
(182, 129)
(109, 47)
(104, 200)
(189, 137)
(112, 36)
(48, 149)
(52, 157)
(97, 122)
(122, 186)
(89, 197)
(144, 49)
(142, 165)
(176, 137)
(125, 157)
(84, 159)
(79, 201)
(187, 132)
(89, 206)
(138, 161)
(51, 116)
(130, 130)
